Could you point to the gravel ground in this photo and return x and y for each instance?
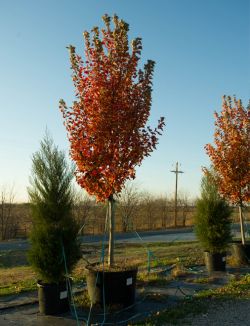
(228, 313)
(225, 313)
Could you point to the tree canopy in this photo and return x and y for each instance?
(230, 154)
(107, 123)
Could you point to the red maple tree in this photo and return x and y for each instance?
(230, 154)
(107, 123)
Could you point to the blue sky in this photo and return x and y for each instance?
(201, 49)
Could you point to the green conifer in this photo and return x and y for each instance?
(54, 229)
(212, 218)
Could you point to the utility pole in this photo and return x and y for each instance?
(176, 171)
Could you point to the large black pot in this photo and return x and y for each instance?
(241, 252)
(215, 262)
(111, 287)
(53, 298)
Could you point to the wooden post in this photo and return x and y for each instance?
(111, 211)
(176, 171)
(175, 197)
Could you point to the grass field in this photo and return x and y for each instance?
(17, 276)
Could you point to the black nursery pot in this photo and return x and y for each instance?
(241, 252)
(111, 287)
(53, 298)
(215, 262)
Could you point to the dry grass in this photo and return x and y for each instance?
(15, 275)
(16, 279)
(22, 278)
(232, 261)
(151, 279)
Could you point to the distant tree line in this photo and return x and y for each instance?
(136, 210)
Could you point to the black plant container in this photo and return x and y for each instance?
(111, 287)
(53, 298)
(215, 262)
(241, 252)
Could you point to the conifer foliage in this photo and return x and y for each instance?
(51, 200)
(212, 219)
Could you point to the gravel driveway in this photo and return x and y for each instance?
(227, 313)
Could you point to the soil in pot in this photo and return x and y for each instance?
(215, 262)
(53, 298)
(241, 252)
(111, 287)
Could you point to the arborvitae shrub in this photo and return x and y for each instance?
(51, 200)
(212, 218)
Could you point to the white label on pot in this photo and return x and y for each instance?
(63, 295)
(129, 281)
(223, 258)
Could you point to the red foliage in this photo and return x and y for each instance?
(230, 154)
(107, 123)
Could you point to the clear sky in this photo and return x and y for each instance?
(201, 49)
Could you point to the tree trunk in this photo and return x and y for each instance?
(111, 208)
(242, 227)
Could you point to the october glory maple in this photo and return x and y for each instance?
(107, 123)
(230, 154)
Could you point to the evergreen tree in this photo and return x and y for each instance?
(212, 218)
(51, 200)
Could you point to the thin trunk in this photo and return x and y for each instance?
(242, 227)
(184, 217)
(111, 208)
